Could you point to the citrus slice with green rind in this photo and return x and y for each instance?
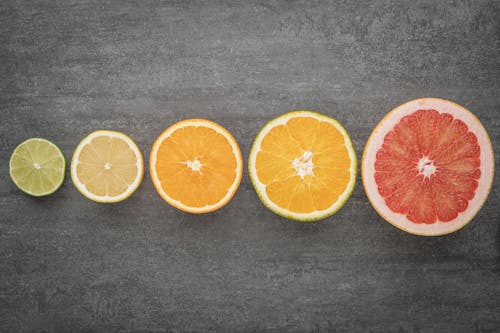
(37, 167)
(303, 165)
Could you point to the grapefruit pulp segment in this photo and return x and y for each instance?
(433, 160)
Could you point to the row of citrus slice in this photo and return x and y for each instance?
(427, 167)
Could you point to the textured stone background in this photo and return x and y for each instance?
(70, 67)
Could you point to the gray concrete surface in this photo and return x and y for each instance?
(70, 67)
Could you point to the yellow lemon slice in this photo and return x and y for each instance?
(107, 166)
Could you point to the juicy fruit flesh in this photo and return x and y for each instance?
(196, 166)
(107, 166)
(37, 167)
(304, 165)
(428, 167)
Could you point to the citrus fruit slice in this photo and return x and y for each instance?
(428, 167)
(37, 167)
(107, 166)
(303, 165)
(196, 166)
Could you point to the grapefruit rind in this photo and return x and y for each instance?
(375, 141)
(260, 188)
(131, 188)
(178, 204)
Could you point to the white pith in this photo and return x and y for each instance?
(260, 187)
(303, 165)
(194, 165)
(484, 182)
(107, 166)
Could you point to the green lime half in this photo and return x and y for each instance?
(37, 167)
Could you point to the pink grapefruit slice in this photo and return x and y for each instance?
(428, 167)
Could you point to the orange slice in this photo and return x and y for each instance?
(107, 166)
(303, 165)
(196, 166)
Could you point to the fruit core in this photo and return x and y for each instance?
(303, 165)
(107, 166)
(37, 165)
(194, 165)
(426, 167)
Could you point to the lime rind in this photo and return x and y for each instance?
(51, 172)
(260, 188)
